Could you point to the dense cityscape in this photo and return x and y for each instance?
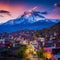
(33, 44)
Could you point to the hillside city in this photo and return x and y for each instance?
(33, 41)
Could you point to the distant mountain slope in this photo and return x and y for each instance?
(51, 30)
(27, 23)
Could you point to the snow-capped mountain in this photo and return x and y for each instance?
(33, 21)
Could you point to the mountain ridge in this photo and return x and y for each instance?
(27, 23)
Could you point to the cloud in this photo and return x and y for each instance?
(5, 12)
(1, 16)
(57, 5)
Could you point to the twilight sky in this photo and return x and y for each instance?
(11, 9)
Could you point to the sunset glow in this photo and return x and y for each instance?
(17, 8)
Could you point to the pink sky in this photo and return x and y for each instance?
(17, 10)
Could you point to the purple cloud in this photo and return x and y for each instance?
(5, 12)
(57, 5)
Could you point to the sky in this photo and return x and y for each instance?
(11, 9)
